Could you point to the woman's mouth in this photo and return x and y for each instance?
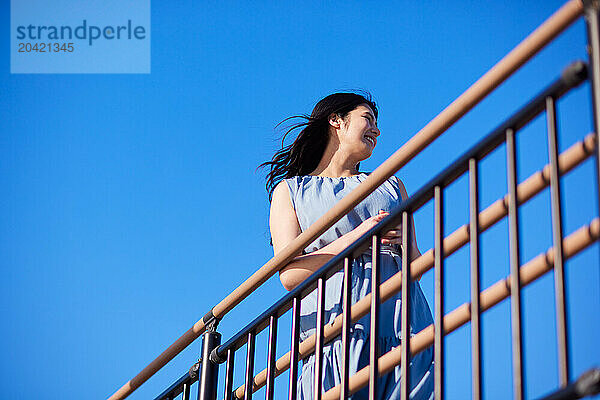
(371, 140)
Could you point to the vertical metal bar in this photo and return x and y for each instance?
(249, 381)
(475, 293)
(271, 357)
(592, 19)
(374, 339)
(319, 338)
(557, 234)
(209, 372)
(438, 200)
(515, 281)
(294, 348)
(229, 375)
(185, 392)
(346, 322)
(405, 318)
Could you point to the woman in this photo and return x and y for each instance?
(305, 180)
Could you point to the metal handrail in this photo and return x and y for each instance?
(538, 39)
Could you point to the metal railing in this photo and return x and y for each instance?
(213, 353)
(480, 221)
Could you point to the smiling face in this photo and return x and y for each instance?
(357, 133)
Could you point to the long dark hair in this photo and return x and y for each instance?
(303, 156)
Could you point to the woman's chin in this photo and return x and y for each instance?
(367, 153)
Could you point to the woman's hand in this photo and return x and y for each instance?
(366, 225)
(393, 236)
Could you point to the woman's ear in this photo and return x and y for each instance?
(335, 121)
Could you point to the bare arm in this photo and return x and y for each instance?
(285, 228)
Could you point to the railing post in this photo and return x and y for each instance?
(592, 20)
(207, 381)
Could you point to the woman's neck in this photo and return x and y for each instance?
(336, 162)
(335, 167)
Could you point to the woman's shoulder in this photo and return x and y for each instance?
(288, 188)
(292, 183)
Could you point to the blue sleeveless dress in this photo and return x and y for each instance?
(311, 197)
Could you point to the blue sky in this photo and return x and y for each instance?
(131, 204)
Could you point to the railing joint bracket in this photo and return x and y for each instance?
(215, 357)
(210, 321)
(194, 369)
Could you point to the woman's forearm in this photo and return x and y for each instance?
(305, 265)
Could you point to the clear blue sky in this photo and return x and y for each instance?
(130, 203)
